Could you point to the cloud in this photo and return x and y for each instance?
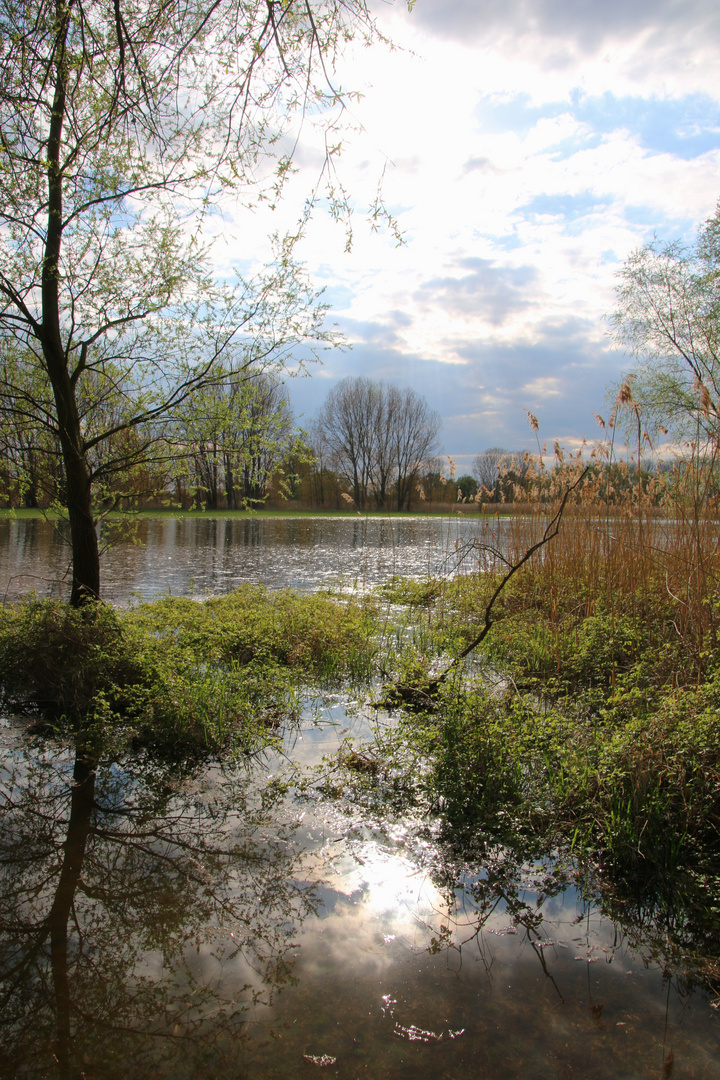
(561, 375)
(567, 206)
(687, 126)
(383, 334)
(543, 387)
(481, 165)
(583, 25)
(530, 146)
(488, 291)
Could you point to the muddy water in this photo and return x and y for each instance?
(253, 919)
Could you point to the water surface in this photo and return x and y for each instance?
(230, 923)
(270, 918)
(206, 556)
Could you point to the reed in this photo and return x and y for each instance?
(639, 550)
(601, 729)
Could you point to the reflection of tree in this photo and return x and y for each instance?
(501, 883)
(135, 919)
(518, 882)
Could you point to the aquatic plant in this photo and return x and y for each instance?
(179, 675)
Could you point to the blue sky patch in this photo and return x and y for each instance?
(568, 207)
(687, 127)
(666, 230)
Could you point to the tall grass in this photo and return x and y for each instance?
(637, 548)
(607, 728)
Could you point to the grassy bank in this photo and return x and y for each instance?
(590, 717)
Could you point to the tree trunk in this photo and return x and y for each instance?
(83, 535)
(85, 551)
(229, 482)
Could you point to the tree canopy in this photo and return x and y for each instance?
(122, 124)
(668, 319)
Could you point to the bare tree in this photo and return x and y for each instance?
(383, 443)
(499, 471)
(416, 428)
(486, 467)
(349, 422)
(379, 437)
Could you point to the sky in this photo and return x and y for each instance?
(526, 148)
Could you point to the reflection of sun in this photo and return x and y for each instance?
(392, 882)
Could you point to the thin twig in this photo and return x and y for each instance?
(550, 533)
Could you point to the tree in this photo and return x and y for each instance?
(498, 471)
(232, 439)
(668, 319)
(486, 467)
(468, 486)
(416, 428)
(348, 421)
(122, 124)
(319, 473)
(261, 446)
(379, 437)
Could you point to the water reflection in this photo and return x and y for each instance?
(240, 923)
(140, 924)
(204, 556)
(421, 966)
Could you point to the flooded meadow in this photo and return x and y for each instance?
(279, 913)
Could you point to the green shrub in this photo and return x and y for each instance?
(181, 676)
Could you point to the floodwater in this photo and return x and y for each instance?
(239, 922)
(269, 918)
(206, 556)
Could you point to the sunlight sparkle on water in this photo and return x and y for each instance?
(393, 883)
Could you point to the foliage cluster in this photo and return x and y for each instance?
(228, 445)
(594, 719)
(640, 792)
(667, 320)
(186, 678)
